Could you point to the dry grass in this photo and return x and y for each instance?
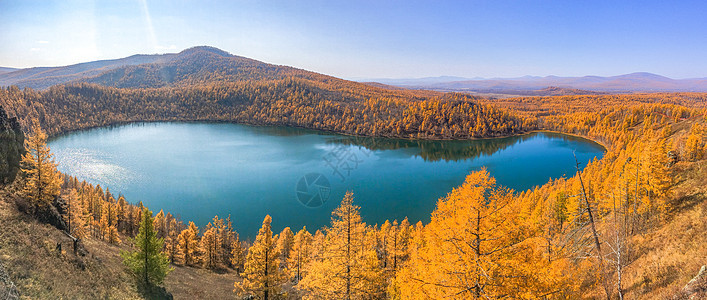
(670, 256)
(192, 283)
(28, 252)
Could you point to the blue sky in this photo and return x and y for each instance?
(373, 39)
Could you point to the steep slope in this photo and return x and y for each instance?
(11, 147)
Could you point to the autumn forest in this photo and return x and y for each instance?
(628, 225)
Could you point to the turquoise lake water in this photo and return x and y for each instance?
(298, 176)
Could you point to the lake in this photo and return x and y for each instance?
(298, 176)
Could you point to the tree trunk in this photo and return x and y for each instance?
(594, 231)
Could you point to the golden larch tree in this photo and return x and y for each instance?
(285, 242)
(262, 277)
(188, 243)
(300, 255)
(349, 266)
(472, 248)
(42, 180)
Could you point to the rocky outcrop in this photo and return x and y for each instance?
(696, 288)
(8, 290)
(11, 147)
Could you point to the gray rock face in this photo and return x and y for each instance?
(696, 288)
(8, 290)
(11, 147)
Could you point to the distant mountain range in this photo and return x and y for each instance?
(200, 65)
(6, 70)
(191, 66)
(634, 82)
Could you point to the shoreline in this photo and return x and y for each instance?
(123, 123)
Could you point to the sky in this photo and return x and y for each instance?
(373, 39)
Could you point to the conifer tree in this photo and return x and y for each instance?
(470, 248)
(228, 238)
(210, 248)
(188, 243)
(147, 263)
(284, 244)
(694, 144)
(159, 224)
(172, 240)
(76, 215)
(300, 255)
(348, 268)
(262, 277)
(42, 183)
(109, 221)
(237, 254)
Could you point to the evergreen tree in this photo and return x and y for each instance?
(147, 263)
(262, 277)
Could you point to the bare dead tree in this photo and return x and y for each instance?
(592, 225)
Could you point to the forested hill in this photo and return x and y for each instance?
(208, 84)
(194, 66)
(44, 77)
(198, 65)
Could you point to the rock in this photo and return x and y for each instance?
(696, 288)
(51, 215)
(11, 147)
(8, 290)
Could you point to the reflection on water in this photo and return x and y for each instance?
(198, 170)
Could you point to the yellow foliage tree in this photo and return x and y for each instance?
(109, 221)
(210, 247)
(42, 183)
(76, 215)
(473, 248)
(172, 241)
(285, 241)
(694, 147)
(262, 277)
(349, 267)
(188, 243)
(237, 254)
(300, 255)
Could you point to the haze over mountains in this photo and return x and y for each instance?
(634, 82)
(205, 64)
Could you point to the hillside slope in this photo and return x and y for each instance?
(44, 77)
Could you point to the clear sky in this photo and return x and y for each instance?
(374, 39)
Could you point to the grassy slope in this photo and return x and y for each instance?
(672, 254)
(28, 253)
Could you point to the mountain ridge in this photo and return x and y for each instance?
(203, 64)
(632, 82)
